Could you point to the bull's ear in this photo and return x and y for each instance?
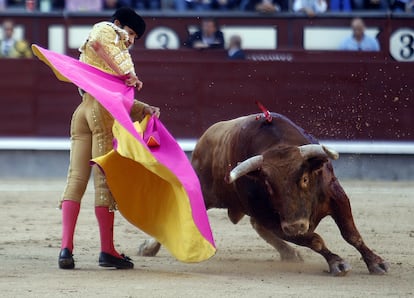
(316, 155)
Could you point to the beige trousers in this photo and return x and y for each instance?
(91, 136)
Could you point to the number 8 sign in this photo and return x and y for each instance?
(402, 45)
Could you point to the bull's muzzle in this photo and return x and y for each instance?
(295, 228)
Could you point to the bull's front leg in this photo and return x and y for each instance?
(287, 253)
(337, 265)
(342, 214)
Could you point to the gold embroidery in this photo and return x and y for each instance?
(109, 36)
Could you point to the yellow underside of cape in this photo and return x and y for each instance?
(152, 198)
(44, 59)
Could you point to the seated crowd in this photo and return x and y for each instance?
(309, 7)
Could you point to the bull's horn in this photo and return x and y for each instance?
(250, 164)
(316, 150)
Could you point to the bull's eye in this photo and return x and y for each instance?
(304, 181)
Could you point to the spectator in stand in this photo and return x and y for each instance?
(208, 36)
(113, 4)
(340, 5)
(58, 4)
(15, 3)
(82, 5)
(181, 5)
(381, 5)
(10, 47)
(205, 5)
(359, 41)
(310, 7)
(198, 5)
(264, 6)
(403, 6)
(410, 6)
(224, 5)
(146, 4)
(235, 51)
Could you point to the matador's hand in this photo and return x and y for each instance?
(133, 81)
(152, 111)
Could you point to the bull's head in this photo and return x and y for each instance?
(292, 177)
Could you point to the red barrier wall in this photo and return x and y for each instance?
(334, 95)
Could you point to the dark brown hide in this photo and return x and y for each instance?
(287, 196)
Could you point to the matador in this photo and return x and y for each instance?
(106, 48)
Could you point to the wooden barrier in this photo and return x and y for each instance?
(332, 94)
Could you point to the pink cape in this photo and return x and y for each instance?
(170, 180)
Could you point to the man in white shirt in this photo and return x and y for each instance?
(310, 7)
(359, 41)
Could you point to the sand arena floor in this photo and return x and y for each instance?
(244, 266)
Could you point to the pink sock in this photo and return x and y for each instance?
(106, 230)
(70, 211)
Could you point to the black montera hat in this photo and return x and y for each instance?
(128, 17)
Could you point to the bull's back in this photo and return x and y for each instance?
(218, 141)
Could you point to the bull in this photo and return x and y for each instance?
(276, 173)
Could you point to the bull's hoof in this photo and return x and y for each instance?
(379, 268)
(339, 268)
(149, 248)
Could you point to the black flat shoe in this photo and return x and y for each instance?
(107, 260)
(66, 259)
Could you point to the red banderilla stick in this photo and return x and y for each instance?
(265, 111)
